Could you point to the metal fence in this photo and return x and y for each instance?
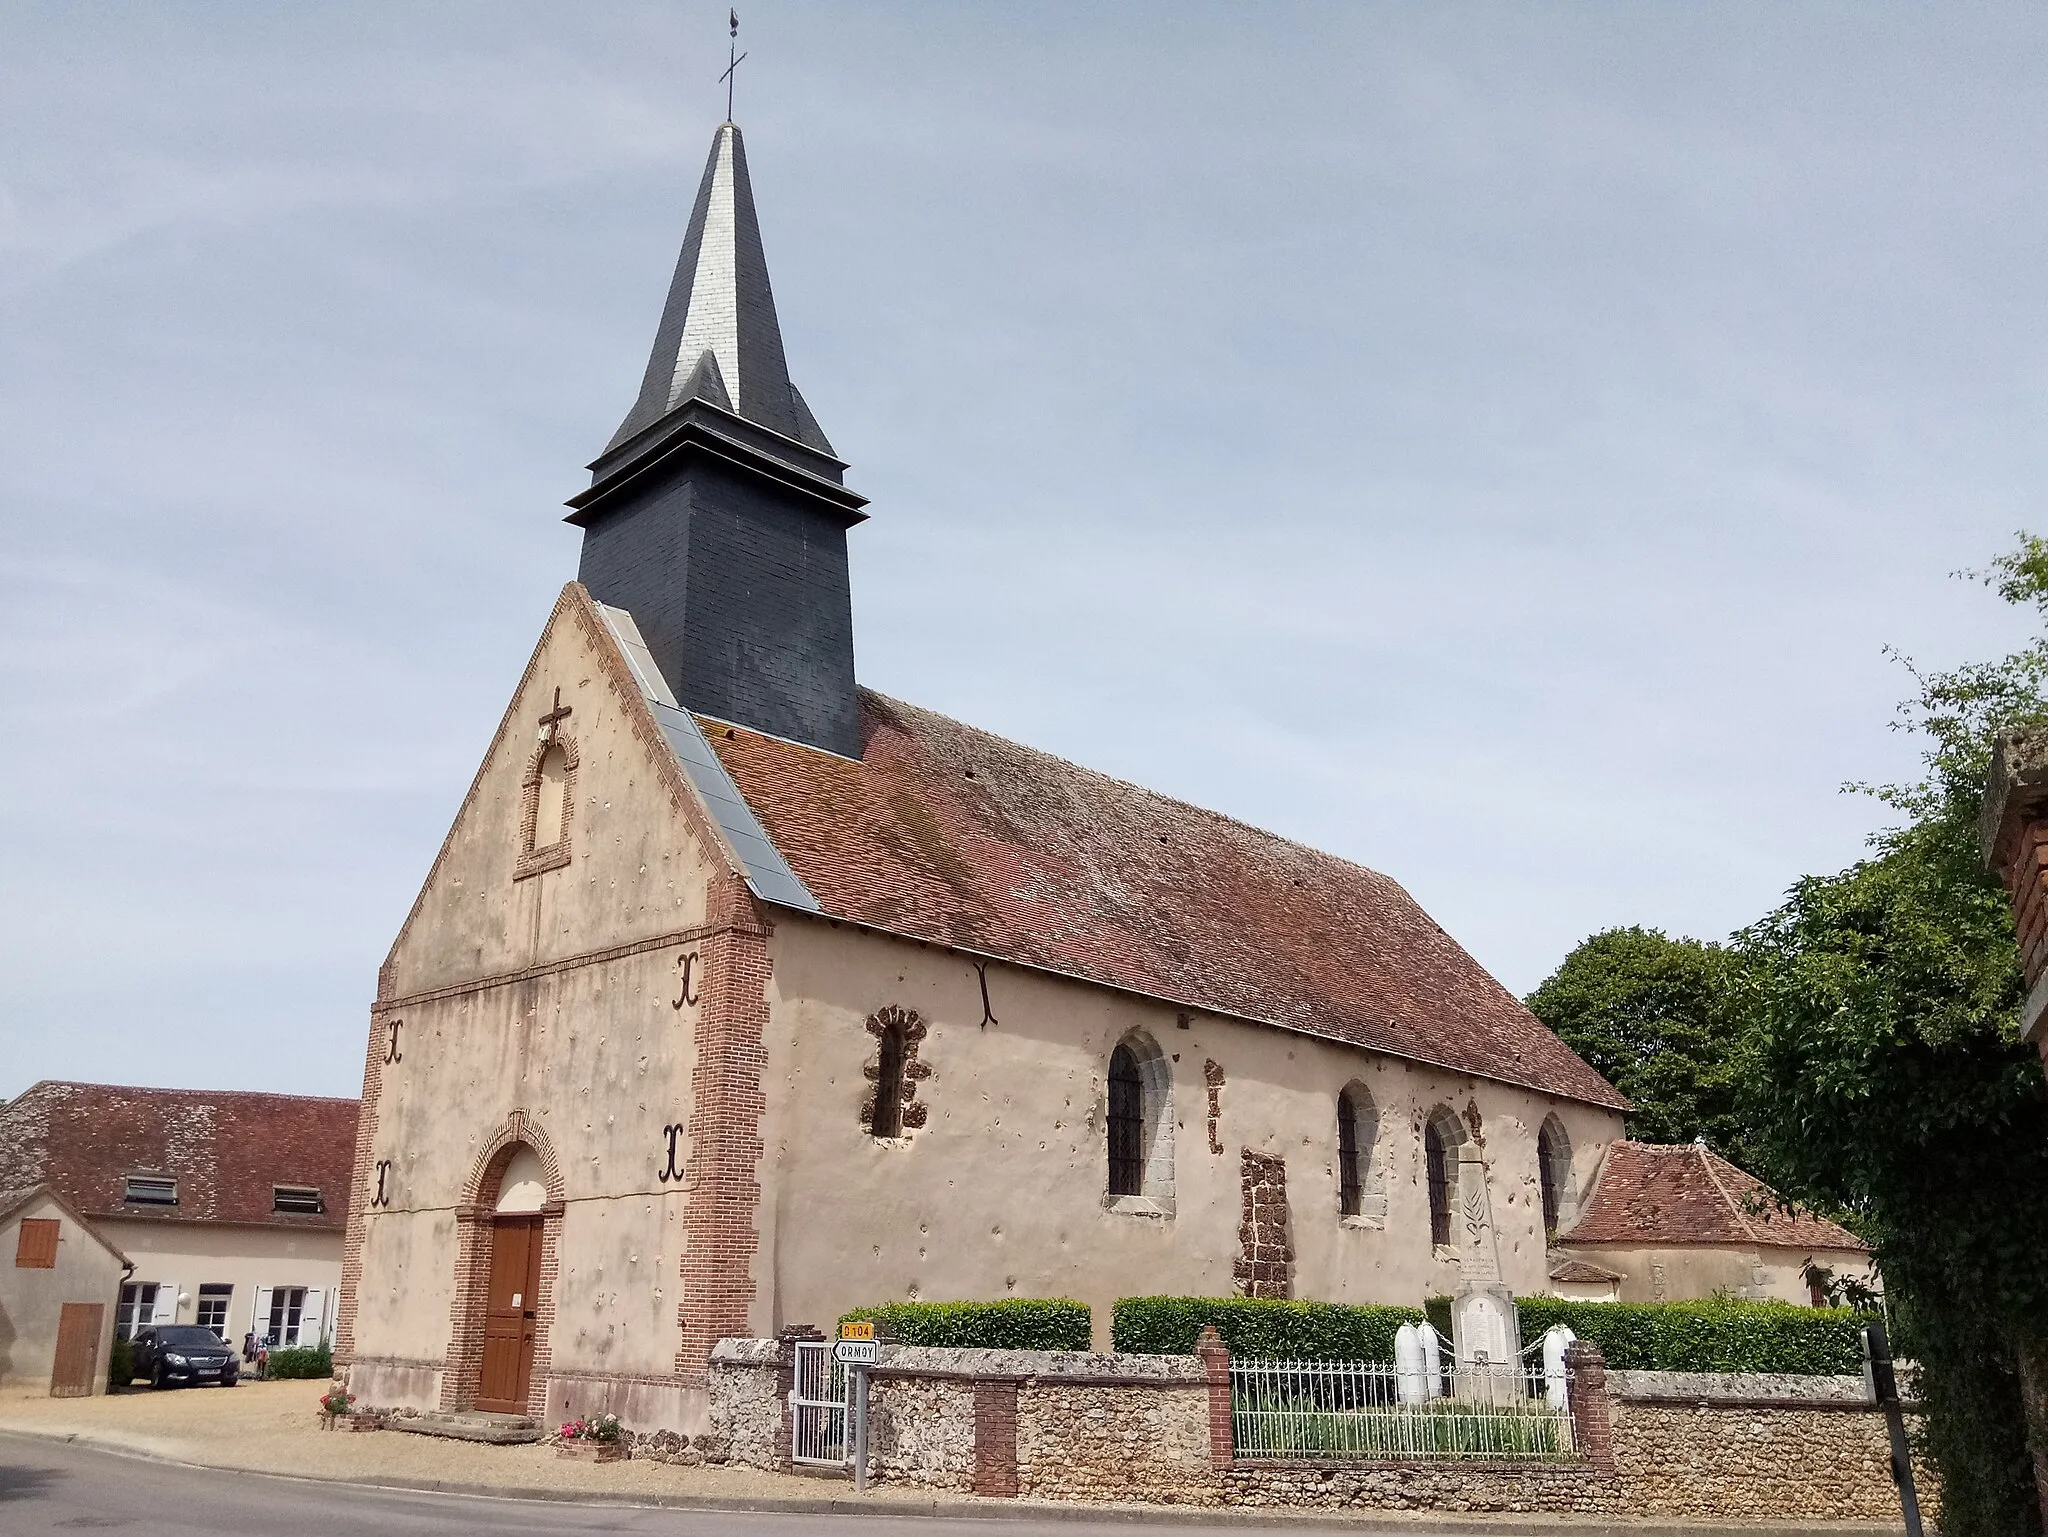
(1364, 1410)
(817, 1407)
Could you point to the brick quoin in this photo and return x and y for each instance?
(1215, 1358)
(995, 1438)
(726, 1106)
(361, 1184)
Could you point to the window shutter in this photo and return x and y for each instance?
(259, 1316)
(35, 1246)
(166, 1309)
(310, 1332)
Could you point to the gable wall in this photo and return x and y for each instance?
(1002, 1192)
(32, 1300)
(553, 996)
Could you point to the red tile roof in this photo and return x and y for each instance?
(1652, 1193)
(949, 834)
(225, 1150)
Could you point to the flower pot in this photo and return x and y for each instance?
(593, 1451)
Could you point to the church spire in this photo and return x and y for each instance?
(719, 339)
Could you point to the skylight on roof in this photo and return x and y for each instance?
(296, 1198)
(150, 1190)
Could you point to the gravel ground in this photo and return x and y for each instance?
(273, 1427)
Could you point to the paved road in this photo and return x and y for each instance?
(59, 1489)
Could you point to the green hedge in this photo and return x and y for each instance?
(120, 1366)
(1019, 1323)
(1716, 1334)
(1259, 1328)
(301, 1361)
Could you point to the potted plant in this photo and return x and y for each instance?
(338, 1411)
(597, 1438)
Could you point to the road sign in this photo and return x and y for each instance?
(857, 1329)
(857, 1352)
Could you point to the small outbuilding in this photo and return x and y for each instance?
(56, 1298)
(1676, 1222)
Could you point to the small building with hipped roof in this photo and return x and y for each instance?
(1678, 1222)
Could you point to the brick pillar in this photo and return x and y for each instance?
(995, 1437)
(1215, 1358)
(1592, 1410)
(785, 1384)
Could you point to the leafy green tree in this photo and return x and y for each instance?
(1886, 1080)
(1661, 1019)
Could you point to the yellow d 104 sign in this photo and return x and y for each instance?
(861, 1330)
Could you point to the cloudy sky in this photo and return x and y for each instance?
(1495, 444)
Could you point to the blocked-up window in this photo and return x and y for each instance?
(36, 1247)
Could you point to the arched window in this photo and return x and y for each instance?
(552, 799)
(1140, 1127)
(1358, 1125)
(1554, 1171)
(1126, 1124)
(888, 1116)
(1441, 1138)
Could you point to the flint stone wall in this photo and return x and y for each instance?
(1109, 1428)
(1116, 1442)
(921, 1431)
(746, 1403)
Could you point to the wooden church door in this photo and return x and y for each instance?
(509, 1315)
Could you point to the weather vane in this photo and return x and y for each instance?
(736, 56)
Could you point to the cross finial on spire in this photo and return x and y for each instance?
(734, 57)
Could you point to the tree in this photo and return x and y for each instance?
(1660, 1018)
(1886, 1079)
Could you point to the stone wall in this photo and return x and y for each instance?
(1070, 1425)
(1115, 1440)
(921, 1431)
(746, 1403)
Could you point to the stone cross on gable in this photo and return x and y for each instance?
(553, 719)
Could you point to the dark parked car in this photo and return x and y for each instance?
(184, 1353)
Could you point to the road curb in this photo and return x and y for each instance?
(1362, 1523)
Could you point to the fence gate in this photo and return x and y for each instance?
(817, 1407)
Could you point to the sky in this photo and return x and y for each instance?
(1496, 444)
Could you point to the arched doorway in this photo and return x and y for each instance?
(512, 1235)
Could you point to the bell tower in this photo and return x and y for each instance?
(717, 514)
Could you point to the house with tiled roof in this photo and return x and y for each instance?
(229, 1206)
(739, 995)
(1674, 1222)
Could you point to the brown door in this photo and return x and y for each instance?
(78, 1349)
(509, 1315)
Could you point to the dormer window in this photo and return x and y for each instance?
(150, 1190)
(304, 1199)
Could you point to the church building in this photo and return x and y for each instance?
(740, 995)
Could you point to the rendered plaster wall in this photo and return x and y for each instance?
(1693, 1271)
(561, 995)
(245, 1257)
(1001, 1192)
(32, 1300)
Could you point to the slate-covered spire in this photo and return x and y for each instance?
(719, 338)
(717, 515)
